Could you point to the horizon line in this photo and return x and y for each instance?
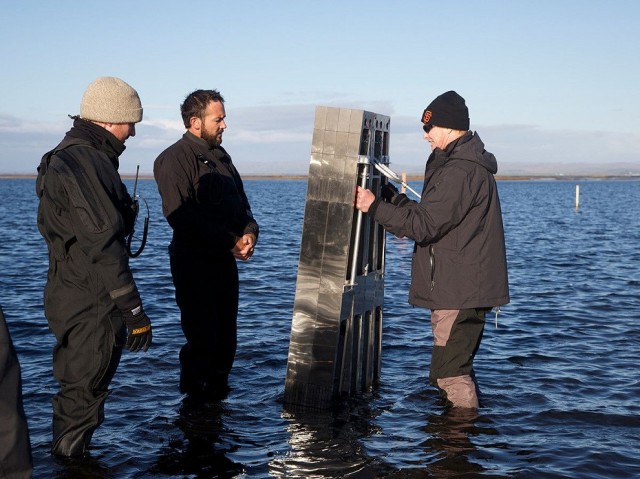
(560, 176)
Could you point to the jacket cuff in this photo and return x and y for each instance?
(252, 228)
(374, 207)
(127, 299)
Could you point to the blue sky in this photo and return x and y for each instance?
(551, 85)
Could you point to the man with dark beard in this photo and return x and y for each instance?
(204, 201)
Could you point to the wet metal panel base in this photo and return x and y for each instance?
(336, 332)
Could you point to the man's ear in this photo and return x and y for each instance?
(195, 122)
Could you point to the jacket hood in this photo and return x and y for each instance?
(471, 148)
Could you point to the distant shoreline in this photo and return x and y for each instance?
(409, 177)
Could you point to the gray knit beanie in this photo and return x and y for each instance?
(111, 100)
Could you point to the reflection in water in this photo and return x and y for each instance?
(332, 444)
(326, 444)
(86, 467)
(199, 452)
(450, 444)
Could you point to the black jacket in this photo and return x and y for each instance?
(459, 259)
(85, 211)
(203, 197)
(15, 448)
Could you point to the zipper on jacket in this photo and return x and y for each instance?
(432, 263)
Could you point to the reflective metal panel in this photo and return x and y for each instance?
(336, 332)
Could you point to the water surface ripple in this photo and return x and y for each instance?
(559, 375)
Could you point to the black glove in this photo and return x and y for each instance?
(139, 329)
(391, 195)
(388, 192)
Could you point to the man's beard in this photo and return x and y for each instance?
(212, 140)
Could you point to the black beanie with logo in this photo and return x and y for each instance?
(447, 111)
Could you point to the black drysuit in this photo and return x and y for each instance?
(205, 204)
(15, 448)
(84, 216)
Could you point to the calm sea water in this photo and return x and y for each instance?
(559, 375)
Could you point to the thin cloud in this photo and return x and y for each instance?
(10, 124)
(276, 139)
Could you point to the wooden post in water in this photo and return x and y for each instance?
(577, 196)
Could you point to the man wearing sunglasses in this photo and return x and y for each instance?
(459, 268)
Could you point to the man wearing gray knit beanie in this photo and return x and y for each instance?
(91, 301)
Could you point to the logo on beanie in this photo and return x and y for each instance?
(426, 116)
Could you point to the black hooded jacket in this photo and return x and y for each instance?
(459, 259)
(85, 211)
